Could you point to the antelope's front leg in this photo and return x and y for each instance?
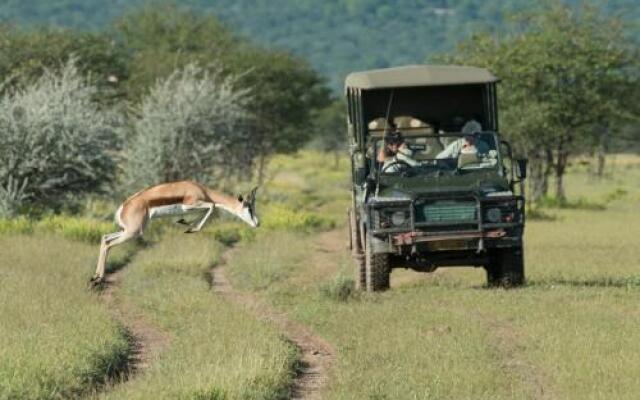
(102, 257)
(209, 207)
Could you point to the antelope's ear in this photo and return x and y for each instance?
(240, 198)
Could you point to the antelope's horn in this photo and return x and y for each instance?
(252, 194)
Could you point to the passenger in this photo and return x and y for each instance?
(469, 144)
(395, 155)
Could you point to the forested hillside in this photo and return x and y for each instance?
(337, 36)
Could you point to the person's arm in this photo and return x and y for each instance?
(406, 154)
(382, 156)
(451, 151)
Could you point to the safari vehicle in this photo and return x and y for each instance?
(440, 209)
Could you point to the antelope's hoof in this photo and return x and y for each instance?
(95, 282)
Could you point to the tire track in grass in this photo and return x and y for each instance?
(507, 343)
(316, 355)
(146, 341)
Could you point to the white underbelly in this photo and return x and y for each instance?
(171, 210)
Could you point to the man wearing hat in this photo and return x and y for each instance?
(395, 155)
(469, 144)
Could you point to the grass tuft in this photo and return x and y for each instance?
(580, 203)
(20, 225)
(281, 217)
(341, 288)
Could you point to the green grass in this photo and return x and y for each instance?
(216, 350)
(76, 228)
(56, 338)
(574, 329)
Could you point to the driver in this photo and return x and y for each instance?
(395, 155)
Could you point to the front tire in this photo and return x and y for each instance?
(506, 268)
(377, 269)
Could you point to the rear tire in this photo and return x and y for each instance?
(505, 268)
(377, 269)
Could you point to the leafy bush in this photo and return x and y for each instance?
(54, 141)
(192, 125)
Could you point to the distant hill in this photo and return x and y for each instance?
(337, 36)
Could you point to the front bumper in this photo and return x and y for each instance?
(411, 238)
(471, 234)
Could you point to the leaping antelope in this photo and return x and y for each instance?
(171, 199)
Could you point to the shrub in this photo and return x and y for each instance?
(192, 125)
(55, 141)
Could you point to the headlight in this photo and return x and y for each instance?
(398, 218)
(494, 215)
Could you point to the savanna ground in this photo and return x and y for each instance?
(573, 332)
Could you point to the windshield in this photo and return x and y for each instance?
(434, 153)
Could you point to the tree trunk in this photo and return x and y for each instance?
(537, 181)
(541, 166)
(603, 148)
(262, 161)
(560, 168)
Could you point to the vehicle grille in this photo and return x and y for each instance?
(447, 211)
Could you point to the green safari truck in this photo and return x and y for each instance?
(433, 183)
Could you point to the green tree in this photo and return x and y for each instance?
(285, 90)
(163, 38)
(329, 129)
(25, 55)
(564, 73)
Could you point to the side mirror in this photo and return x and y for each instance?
(521, 170)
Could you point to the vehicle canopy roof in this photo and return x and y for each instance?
(418, 75)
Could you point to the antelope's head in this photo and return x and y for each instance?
(248, 209)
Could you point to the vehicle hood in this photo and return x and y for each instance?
(479, 183)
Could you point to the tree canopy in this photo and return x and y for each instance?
(564, 73)
(336, 36)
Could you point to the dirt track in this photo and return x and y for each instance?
(147, 341)
(316, 355)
